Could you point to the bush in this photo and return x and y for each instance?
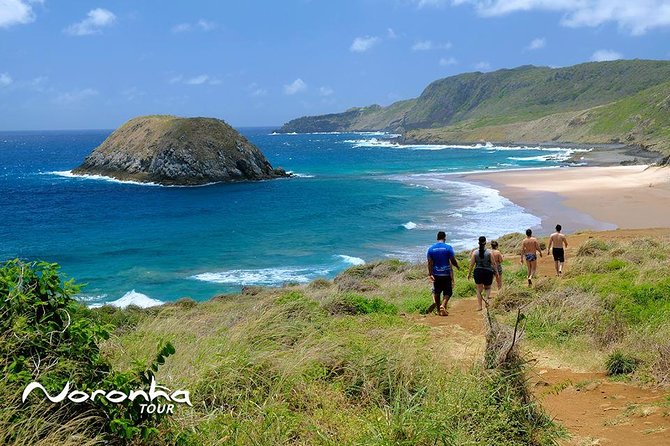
(320, 283)
(619, 363)
(356, 304)
(48, 337)
(593, 247)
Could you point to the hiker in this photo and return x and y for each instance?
(498, 257)
(557, 243)
(441, 257)
(530, 247)
(485, 267)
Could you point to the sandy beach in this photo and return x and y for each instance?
(600, 198)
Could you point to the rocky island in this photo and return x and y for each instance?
(170, 150)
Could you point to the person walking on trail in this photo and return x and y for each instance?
(530, 247)
(485, 268)
(498, 257)
(557, 244)
(441, 258)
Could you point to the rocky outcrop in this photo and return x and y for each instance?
(170, 150)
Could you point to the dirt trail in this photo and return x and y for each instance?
(594, 409)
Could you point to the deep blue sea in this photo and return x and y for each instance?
(356, 197)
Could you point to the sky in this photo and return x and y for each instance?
(82, 64)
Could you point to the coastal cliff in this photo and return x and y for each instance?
(170, 150)
(616, 102)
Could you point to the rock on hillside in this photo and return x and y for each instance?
(178, 151)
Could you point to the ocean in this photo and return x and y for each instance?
(355, 198)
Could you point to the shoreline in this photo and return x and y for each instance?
(586, 198)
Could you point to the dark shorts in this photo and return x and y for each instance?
(442, 285)
(531, 257)
(483, 276)
(559, 254)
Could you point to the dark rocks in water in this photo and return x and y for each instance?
(170, 150)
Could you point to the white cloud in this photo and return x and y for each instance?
(326, 91)
(5, 80)
(635, 16)
(182, 27)
(15, 12)
(294, 87)
(537, 44)
(206, 25)
(202, 25)
(95, 20)
(197, 80)
(75, 96)
(427, 45)
(483, 66)
(363, 44)
(132, 93)
(604, 55)
(445, 62)
(391, 34)
(424, 3)
(200, 79)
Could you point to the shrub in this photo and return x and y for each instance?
(185, 303)
(47, 336)
(320, 283)
(356, 304)
(355, 283)
(619, 363)
(592, 247)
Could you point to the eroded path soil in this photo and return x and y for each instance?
(594, 409)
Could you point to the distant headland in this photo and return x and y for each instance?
(624, 102)
(170, 150)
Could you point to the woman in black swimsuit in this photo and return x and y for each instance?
(485, 268)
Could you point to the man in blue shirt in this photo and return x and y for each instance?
(440, 259)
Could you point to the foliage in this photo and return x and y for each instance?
(48, 337)
(619, 363)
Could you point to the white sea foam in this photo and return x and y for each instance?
(564, 152)
(351, 260)
(473, 210)
(132, 298)
(409, 225)
(278, 276)
(264, 276)
(69, 174)
(299, 175)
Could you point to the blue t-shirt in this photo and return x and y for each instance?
(441, 254)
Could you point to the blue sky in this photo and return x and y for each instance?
(95, 64)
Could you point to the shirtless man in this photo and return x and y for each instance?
(529, 249)
(557, 243)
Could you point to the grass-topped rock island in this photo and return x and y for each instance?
(170, 150)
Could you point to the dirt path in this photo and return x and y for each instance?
(594, 409)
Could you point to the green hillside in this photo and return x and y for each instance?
(591, 102)
(642, 119)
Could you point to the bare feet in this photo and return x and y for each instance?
(443, 311)
(530, 282)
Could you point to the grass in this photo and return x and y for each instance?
(340, 362)
(613, 303)
(315, 365)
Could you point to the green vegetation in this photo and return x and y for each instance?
(48, 337)
(624, 101)
(332, 362)
(613, 303)
(296, 365)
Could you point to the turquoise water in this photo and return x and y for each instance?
(356, 197)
